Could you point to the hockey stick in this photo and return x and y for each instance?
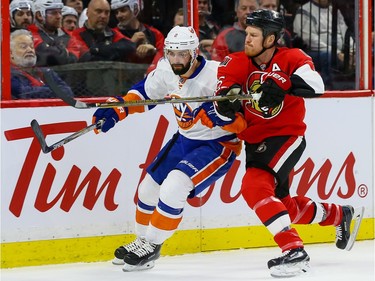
(46, 149)
(82, 105)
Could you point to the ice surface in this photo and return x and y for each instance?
(327, 263)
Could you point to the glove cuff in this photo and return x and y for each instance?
(121, 112)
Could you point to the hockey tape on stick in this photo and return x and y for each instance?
(82, 105)
(42, 141)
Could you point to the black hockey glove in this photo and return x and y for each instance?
(228, 108)
(275, 86)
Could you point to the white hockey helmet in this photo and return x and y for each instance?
(69, 11)
(181, 38)
(43, 5)
(133, 4)
(16, 5)
(20, 4)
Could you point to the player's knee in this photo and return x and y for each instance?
(175, 189)
(148, 191)
(257, 184)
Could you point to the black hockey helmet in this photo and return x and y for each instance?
(269, 21)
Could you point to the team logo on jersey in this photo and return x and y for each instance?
(254, 81)
(184, 114)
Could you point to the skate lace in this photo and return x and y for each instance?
(338, 232)
(137, 243)
(145, 249)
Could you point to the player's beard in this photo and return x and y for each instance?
(251, 51)
(180, 69)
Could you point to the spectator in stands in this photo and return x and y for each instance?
(232, 39)
(53, 46)
(79, 7)
(149, 40)
(21, 13)
(75, 4)
(26, 78)
(313, 24)
(208, 29)
(274, 5)
(69, 19)
(179, 17)
(98, 41)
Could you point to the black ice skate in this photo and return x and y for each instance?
(292, 263)
(142, 258)
(344, 237)
(121, 251)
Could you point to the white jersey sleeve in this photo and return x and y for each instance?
(163, 82)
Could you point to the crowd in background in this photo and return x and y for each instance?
(93, 39)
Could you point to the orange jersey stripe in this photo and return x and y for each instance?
(162, 222)
(212, 167)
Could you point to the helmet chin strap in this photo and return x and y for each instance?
(264, 49)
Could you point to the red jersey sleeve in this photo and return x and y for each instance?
(232, 70)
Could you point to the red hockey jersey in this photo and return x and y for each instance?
(286, 118)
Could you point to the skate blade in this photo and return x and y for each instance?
(128, 267)
(117, 261)
(357, 219)
(290, 270)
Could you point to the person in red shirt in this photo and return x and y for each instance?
(231, 39)
(69, 20)
(276, 80)
(20, 13)
(53, 45)
(149, 40)
(98, 41)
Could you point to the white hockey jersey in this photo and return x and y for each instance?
(163, 82)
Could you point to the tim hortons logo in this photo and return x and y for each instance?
(91, 188)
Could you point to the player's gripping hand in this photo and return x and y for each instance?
(110, 115)
(274, 88)
(228, 108)
(210, 117)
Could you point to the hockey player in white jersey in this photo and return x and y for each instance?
(191, 161)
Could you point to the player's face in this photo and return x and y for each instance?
(53, 19)
(69, 22)
(23, 18)
(23, 53)
(124, 15)
(179, 60)
(253, 41)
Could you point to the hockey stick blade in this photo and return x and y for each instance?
(46, 149)
(39, 135)
(48, 79)
(357, 219)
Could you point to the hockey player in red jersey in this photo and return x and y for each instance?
(276, 80)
